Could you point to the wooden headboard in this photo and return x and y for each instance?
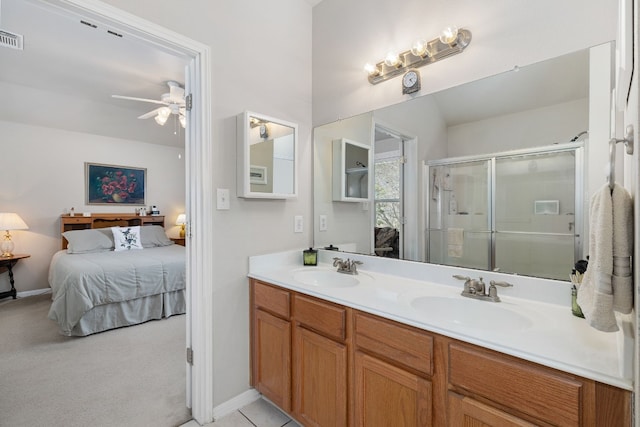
(104, 220)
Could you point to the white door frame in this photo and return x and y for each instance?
(199, 183)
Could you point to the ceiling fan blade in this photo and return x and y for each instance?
(151, 113)
(131, 98)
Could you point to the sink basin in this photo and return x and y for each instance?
(488, 316)
(325, 278)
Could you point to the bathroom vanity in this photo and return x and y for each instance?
(379, 349)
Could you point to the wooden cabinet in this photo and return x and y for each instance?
(271, 344)
(389, 396)
(320, 355)
(393, 365)
(330, 365)
(466, 412)
(532, 394)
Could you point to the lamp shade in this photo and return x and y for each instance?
(12, 221)
(182, 219)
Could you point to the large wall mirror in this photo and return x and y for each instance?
(267, 152)
(527, 126)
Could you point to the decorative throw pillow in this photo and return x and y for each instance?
(87, 241)
(126, 238)
(154, 236)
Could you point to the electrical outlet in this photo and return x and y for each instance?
(323, 223)
(298, 225)
(223, 203)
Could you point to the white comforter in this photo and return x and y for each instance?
(82, 281)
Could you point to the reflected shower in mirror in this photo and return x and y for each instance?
(539, 105)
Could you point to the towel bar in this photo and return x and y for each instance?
(628, 142)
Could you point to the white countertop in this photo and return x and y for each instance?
(542, 328)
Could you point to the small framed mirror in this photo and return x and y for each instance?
(267, 149)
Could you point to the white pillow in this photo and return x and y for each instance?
(126, 238)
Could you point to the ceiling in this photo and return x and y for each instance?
(67, 72)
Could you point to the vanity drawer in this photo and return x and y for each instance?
(274, 300)
(542, 393)
(323, 317)
(402, 344)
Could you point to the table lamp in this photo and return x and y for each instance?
(181, 221)
(10, 221)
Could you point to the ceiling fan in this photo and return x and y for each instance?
(173, 103)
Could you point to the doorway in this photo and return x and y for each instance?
(198, 171)
(388, 208)
(396, 209)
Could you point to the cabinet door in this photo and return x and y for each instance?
(466, 412)
(390, 396)
(320, 380)
(272, 358)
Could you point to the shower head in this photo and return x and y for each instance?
(575, 138)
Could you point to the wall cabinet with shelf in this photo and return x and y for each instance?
(350, 368)
(351, 165)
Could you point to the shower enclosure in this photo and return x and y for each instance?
(515, 212)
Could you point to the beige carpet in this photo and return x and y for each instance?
(131, 376)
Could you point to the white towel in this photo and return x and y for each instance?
(455, 242)
(622, 250)
(608, 222)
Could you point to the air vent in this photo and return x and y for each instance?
(7, 39)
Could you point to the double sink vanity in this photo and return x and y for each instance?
(397, 344)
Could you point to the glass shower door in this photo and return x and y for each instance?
(535, 214)
(459, 219)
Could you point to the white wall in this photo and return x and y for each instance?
(505, 34)
(344, 219)
(43, 176)
(262, 63)
(533, 128)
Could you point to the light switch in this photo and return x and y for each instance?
(298, 225)
(323, 223)
(223, 199)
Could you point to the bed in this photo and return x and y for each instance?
(98, 285)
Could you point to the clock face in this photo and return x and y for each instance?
(410, 82)
(410, 78)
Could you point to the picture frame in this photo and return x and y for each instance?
(258, 175)
(115, 185)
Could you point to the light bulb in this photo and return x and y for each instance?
(164, 112)
(419, 48)
(161, 120)
(392, 59)
(449, 35)
(372, 70)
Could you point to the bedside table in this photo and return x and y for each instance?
(8, 263)
(178, 240)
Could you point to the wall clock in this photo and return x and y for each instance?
(410, 82)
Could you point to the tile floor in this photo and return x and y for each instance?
(256, 414)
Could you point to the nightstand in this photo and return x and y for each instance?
(178, 240)
(8, 263)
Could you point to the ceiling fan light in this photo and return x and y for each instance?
(164, 112)
(161, 120)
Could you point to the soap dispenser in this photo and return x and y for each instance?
(310, 257)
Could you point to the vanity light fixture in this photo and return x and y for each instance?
(450, 42)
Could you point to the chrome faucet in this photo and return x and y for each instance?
(476, 288)
(346, 266)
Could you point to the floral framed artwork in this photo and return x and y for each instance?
(114, 185)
